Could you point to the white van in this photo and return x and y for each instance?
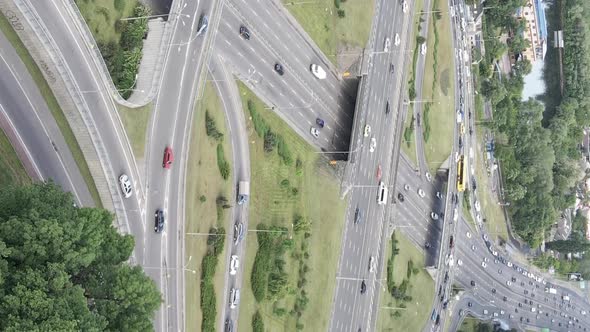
(382, 194)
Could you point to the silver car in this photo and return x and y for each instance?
(125, 184)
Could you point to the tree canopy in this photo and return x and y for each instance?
(63, 268)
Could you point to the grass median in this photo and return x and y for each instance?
(204, 185)
(438, 86)
(53, 106)
(332, 33)
(102, 16)
(291, 195)
(135, 121)
(410, 315)
(13, 171)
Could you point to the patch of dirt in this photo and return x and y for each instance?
(444, 82)
(348, 57)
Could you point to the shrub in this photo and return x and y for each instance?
(420, 40)
(283, 151)
(285, 184)
(203, 199)
(211, 127)
(341, 13)
(222, 163)
(299, 167)
(215, 243)
(337, 3)
(257, 322)
(270, 141)
(260, 125)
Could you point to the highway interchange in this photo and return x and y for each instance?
(299, 98)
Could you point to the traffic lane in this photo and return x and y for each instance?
(259, 67)
(23, 104)
(283, 37)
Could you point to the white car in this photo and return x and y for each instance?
(483, 264)
(477, 206)
(478, 218)
(459, 262)
(434, 216)
(485, 259)
(406, 187)
(386, 45)
(421, 193)
(509, 264)
(455, 215)
(494, 252)
(314, 132)
(404, 6)
(234, 265)
(367, 130)
(234, 298)
(423, 49)
(125, 184)
(439, 195)
(373, 144)
(508, 283)
(428, 177)
(372, 264)
(468, 235)
(396, 40)
(318, 71)
(473, 247)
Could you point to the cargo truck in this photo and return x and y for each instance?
(550, 290)
(243, 192)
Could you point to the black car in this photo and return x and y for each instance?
(400, 197)
(229, 325)
(493, 291)
(446, 276)
(439, 290)
(159, 221)
(504, 299)
(387, 107)
(357, 216)
(460, 143)
(472, 283)
(363, 287)
(469, 304)
(437, 321)
(451, 242)
(391, 68)
(244, 32)
(279, 69)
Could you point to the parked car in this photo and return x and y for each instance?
(168, 157)
(203, 24)
(125, 184)
(279, 69)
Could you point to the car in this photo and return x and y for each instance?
(371, 264)
(317, 71)
(446, 277)
(358, 216)
(125, 184)
(509, 264)
(494, 252)
(433, 315)
(501, 312)
(455, 214)
(493, 291)
(234, 265)
(485, 311)
(459, 262)
(520, 305)
(461, 313)
(387, 107)
(314, 132)
(367, 130)
(508, 283)
(396, 40)
(472, 284)
(320, 122)
(428, 176)
(373, 144)
(451, 242)
(434, 215)
(159, 221)
(468, 235)
(437, 320)
(234, 297)
(203, 24)
(427, 245)
(406, 187)
(421, 193)
(526, 292)
(404, 6)
(483, 264)
(379, 172)
(229, 325)
(391, 68)
(363, 287)
(469, 304)
(477, 206)
(423, 49)
(400, 197)
(386, 45)
(485, 237)
(504, 299)
(495, 314)
(244, 32)
(279, 69)
(238, 232)
(499, 271)
(168, 157)
(485, 259)
(473, 247)
(513, 279)
(439, 195)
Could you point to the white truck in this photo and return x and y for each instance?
(550, 290)
(565, 297)
(243, 192)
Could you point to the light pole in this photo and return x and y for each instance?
(406, 102)
(156, 16)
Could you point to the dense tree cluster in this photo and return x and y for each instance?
(537, 146)
(62, 268)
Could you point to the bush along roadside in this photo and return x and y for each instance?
(215, 243)
(272, 140)
(123, 59)
(217, 136)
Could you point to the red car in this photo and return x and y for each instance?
(168, 157)
(379, 173)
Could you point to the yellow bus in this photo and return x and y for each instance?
(461, 174)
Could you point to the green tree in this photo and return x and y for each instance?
(63, 268)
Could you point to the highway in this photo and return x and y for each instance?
(353, 309)
(23, 108)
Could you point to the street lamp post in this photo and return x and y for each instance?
(156, 16)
